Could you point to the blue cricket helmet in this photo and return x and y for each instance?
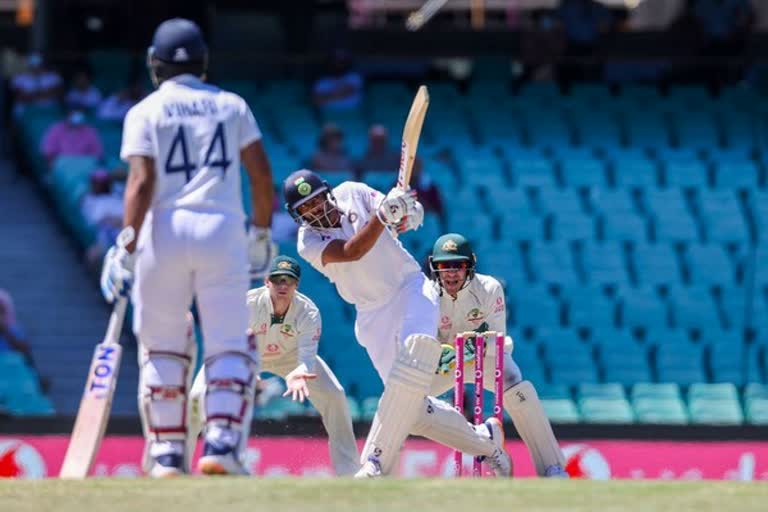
(178, 41)
(177, 48)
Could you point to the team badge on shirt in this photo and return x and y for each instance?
(287, 330)
(475, 315)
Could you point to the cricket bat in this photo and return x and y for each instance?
(96, 404)
(411, 133)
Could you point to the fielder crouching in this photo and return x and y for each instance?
(475, 302)
(286, 326)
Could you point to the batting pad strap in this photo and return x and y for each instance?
(230, 380)
(163, 396)
(524, 407)
(403, 399)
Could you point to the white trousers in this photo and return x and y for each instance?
(182, 255)
(413, 310)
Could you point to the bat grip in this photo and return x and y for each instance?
(116, 321)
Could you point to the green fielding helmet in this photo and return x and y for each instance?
(452, 247)
(285, 266)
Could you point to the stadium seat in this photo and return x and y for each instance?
(726, 356)
(604, 263)
(722, 216)
(655, 264)
(611, 391)
(501, 200)
(690, 173)
(482, 171)
(679, 362)
(715, 411)
(642, 307)
(558, 201)
(552, 262)
(666, 411)
(670, 200)
(736, 174)
(573, 226)
(530, 307)
(634, 170)
(722, 391)
(502, 261)
(531, 169)
(606, 410)
(560, 410)
(583, 172)
(757, 411)
(587, 306)
(628, 226)
(518, 225)
(709, 264)
(694, 307)
(571, 363)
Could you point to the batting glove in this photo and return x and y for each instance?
(413, 221)
(260, 251)
(397, 205)
(117, 269)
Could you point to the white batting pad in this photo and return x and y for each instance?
(402, 402)
(440, 422)
(524, 407)
(229, 385)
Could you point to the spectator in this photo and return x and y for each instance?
(35, 86)
(379, 156)
(117, 105)
(584, 22)
(83, 94)
(655, 15)
(427, 191)
(724, 23)
(71, 137)
(12, 337)
(102, 209)
(330, 154)
(340, 88)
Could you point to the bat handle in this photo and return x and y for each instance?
(116, 321)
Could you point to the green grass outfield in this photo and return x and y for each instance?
(339, 495)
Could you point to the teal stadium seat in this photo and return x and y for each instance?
(552, 262)
(606, 410)
(587, 306)
(655, 264)
(604, 263)
(642, 307)
(709, 264)
(722, 216)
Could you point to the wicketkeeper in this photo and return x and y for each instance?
(475, 302)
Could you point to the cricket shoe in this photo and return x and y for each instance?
(168, 465)
(556, 471)
(499, 461)
(371, 469)
(220, 459)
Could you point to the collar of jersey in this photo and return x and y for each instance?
(186, 78)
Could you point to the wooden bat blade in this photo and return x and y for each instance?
(93, 414)
(411, 134)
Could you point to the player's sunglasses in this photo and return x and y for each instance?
(452, 265)
(278, 280)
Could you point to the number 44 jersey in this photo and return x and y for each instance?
(194, 132)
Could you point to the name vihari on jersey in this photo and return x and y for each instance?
(192, 108)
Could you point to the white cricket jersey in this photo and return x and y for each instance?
(376, 277)
(482, 301)
(296, 337)
(194, 132)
